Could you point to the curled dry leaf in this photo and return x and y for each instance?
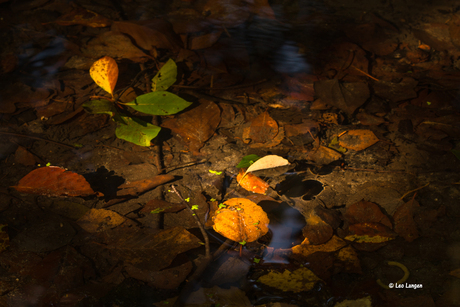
(54, 181)
(241, 220)
(270, 161)
(252, 183)
(105, 73)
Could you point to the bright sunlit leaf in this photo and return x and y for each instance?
(105, 73)
(165, 77)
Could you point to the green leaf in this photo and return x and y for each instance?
(165, 77)
(136, 131)
(247, 161)
(159, 103)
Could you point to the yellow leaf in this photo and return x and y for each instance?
(105, 73)
(298, 281)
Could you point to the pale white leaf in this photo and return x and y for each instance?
(270, 161)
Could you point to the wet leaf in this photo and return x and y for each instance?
(85, 17)
(305, 249)
(231, 270)
(317, 231)
(365, 211)
(153, 34)
(105, 73)
(197, 125)
(139, 248)
(24, 157)
(136, 131)
(252, 183)
(165, 279)
(369, 233)
(349, 257)
(240, 220)
(297, 281)
(98, 220)
(323, 155)
(263, 129)
(135, 188)
(159, 103)
(405, 225)
(165, 77)
(358, 139)
(270, 161)
(54, 181)
(4, 238)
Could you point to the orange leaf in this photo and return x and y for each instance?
(358, 139)
(263, 129)
(54, 181)
(240, 220)
(105, 73)
(252, 183)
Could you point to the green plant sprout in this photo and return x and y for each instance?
(212, 199)
(157, 210)
(187, 199)
(243, 242)
(157, 102)
(256, 260)
(215, 172)
(195, 207)
(222, 206)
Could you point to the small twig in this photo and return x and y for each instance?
(203, 231)
(407, 193)
(364, 73)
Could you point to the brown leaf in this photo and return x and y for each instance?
(140, 186)
(85, 17)
(98, 220)
(24, 157)
(323, 155)
(226, 13)
(54, 181)
(203, 41)
(305, 249)
(347, 96)
(263, 129)
(364, 212)
(262, 8)
(358, 139)
(115, 45)
(317, 231)
(152, 251)
(197, 125)
(405, 225)
(159, 205)
(349, 257)
(158, 35)
(240, 220)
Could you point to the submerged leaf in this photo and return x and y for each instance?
(136, 131)
(105, 73)
(165, 77)
(159, 103)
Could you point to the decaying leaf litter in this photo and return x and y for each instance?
(358, 110)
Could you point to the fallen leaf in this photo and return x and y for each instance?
(405, 225)
(85, 17)
(306, 249)
(358, 139)
(105, 73)
(197, 125)
(252, 183)
(241, 220)
(263, 129)
(165, 279)
(151, 251)
(226, 13)
(297, 281)
(115, 45)
(349, 257)
(345, 96)
(24, 157)
(54, 181)
(369, 233)
(366, 212)
(140, 186)
(270, 161)
(151, 34)
(317, 231)
(323, 155)
(99, 220)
